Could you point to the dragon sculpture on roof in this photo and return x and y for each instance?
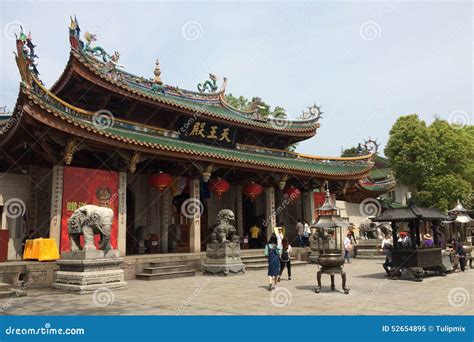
(111, 60)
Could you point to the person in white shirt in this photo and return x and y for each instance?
(300, 231)
(306, 233)
(387, 246)
(279, 237)
(347, 248)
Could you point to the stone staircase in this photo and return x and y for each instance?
(8, 291)
(167, 270)
(256, 261)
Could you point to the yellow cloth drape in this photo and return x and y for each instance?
(41, 249)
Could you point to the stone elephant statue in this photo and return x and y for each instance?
(89, 220)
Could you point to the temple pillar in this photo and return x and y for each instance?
(56, 203)
(155, 205)
(239, 215)
(270, 210)
(195, 227)
(309, 207)
(166, 219)
(122, 214)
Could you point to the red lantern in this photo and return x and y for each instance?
(252, 190)
(292, 193)
(219, 186)
(160, 180)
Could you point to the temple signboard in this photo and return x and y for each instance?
(208, 133)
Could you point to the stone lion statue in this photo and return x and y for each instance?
(224, 230)
(375, 230)
(89, 220)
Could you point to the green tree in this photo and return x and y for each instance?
(436, 161)
(445, 190)
(410, 151)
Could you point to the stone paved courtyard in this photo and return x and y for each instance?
(371, 294)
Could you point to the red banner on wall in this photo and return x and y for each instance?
(88, 186)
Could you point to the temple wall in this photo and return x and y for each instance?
(15, 188)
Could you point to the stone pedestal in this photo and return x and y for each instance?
(88, 270)
(367, 249)
(223, 258)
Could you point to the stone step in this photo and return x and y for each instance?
(252, 257)
(168, 263)
(12, 293)
(264, 266)
(5, 287)
(169, 275)
(258, 260)
(167, 269)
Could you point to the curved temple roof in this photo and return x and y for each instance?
(212, 104)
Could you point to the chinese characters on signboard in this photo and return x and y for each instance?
(209, 133)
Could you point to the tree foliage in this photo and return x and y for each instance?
(436, 161)
(354, 151)
(264, 110)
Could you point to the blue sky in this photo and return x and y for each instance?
(366, 63)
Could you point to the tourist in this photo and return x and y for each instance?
(441, 240)
(460, 253)
(283, 228)
(279, 236)
(350, 230)
(347, 248)
(387, 246)
(404, 240)
(254, 236)
(285, 258)
(300, 231)
(306, 233)
(272, 252)
(428, 241)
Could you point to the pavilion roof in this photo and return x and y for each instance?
(408, 214)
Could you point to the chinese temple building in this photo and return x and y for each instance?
(165, 159)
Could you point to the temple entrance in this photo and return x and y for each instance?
(249, 220)
(131, 241)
